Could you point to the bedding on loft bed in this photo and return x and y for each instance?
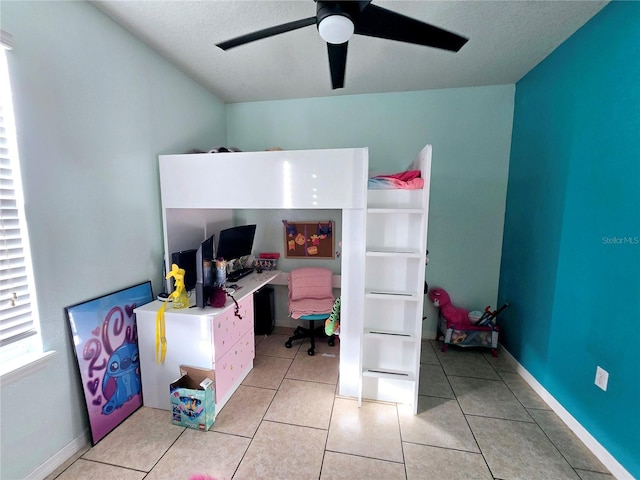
(407, 180)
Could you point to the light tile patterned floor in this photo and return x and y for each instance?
(476, 419)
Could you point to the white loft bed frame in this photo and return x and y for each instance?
(200, 191)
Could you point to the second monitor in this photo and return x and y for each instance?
(236, 242)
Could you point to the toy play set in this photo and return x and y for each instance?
(460, 327)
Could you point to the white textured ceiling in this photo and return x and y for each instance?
(506, 40)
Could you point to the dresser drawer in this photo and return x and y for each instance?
(228, 328)
(234, 364)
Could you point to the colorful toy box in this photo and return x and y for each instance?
(469, 336)
(193, 398)
(458, 326)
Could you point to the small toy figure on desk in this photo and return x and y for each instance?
(179, 295)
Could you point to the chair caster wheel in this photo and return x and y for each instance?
(287, 344)
(331, 343)
(311, 351)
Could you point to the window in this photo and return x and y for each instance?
(20, 342)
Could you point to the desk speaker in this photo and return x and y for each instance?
(264, 313)
(186, 259)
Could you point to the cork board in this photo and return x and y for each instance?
(308, 239)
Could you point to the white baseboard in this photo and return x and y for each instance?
(67, 452)
(617, 470)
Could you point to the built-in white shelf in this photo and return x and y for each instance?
(390, 252)
(402, 375)
(395, 211)
(389, 295)
(378, 333)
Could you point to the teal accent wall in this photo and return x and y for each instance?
(470, 131)
(571, 248)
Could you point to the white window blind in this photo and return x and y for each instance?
(16, 318)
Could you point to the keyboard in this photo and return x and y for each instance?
(238, 274)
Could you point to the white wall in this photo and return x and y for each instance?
(94, 108)
(470, 131)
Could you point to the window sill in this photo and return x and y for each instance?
(23, 365)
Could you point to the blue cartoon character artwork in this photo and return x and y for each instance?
(291, 233)
(105, 339)
(324, 231)
(121, 381)
(290, 229)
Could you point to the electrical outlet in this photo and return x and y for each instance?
(602, 378)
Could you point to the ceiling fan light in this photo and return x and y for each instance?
(336, 29)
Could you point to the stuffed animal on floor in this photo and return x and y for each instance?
(457, 316)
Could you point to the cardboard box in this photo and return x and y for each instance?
(193, 398)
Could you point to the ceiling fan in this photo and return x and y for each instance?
(337, 21)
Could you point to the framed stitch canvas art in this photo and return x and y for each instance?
(105, 341)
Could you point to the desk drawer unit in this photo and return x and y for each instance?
(227, 328)
(233, 365)
(233, 346)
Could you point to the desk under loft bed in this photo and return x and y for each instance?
(200, 192)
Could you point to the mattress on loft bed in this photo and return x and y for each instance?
(407, 180)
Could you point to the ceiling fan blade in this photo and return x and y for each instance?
(267, 32)
(337, 63)
(379, 22)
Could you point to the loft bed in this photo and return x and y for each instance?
(199, 199)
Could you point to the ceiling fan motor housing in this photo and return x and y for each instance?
(346, 9)
(336, 30)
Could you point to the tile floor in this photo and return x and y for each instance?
(477, 419)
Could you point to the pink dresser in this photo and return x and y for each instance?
(233, 345)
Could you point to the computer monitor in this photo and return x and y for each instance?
(186, 259)
(236, 242)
